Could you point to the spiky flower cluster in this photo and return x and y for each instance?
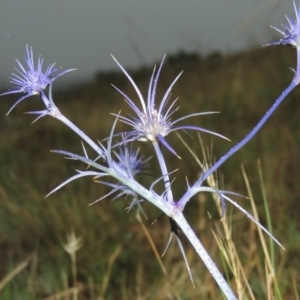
(152, 123)
(131, 164)
(290, 32)
(30, 79)
(130, 160)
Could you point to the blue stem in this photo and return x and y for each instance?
(164, 172)
(185, 198)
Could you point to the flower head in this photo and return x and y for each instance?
(130, 161)
(290, 32)
(151, 123)
(30, 79)
(73, 244)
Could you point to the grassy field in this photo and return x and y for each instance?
(118, 257)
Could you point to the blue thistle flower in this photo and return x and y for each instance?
(31, 80)
(151, 123)
(290, 32)
(130, 161)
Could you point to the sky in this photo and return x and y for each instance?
(82, 33)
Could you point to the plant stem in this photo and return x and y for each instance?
(212, 268)
(250, 135)
(74, 275)
(185, 198)
(164, 171)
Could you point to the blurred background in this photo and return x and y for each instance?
(61, 248)
(82, 34)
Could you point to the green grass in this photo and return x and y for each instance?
(242, 87)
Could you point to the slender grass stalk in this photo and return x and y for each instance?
(71, 247)
(12, 274)
(296, 289)
(267, 210)
(107, 275)
(152, 244)
(269, 226)
(270, 275)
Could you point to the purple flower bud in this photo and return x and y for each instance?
(290, 32)
(30, 79)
